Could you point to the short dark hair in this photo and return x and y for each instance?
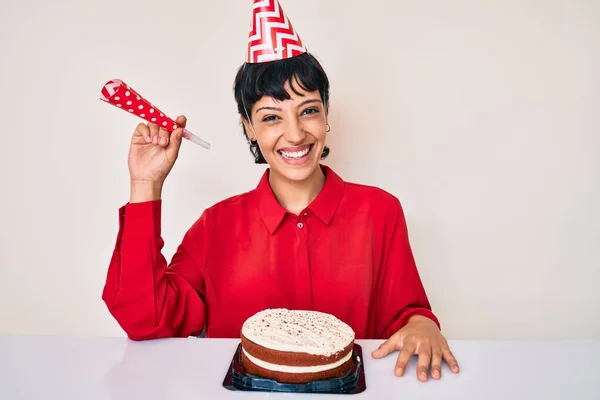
(253, 81)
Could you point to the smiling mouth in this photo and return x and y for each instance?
(296, 155)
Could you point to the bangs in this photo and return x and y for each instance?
(253, 81)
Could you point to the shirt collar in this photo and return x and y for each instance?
(323, 206)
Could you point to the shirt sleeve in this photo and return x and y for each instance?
(148, 298)
(400, 293)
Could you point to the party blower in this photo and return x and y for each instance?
(119, 94)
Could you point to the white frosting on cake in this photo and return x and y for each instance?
(298, 331)
(297, 370)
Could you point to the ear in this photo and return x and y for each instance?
(248, 129)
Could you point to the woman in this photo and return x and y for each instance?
(303, 239)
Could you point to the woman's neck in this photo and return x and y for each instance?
(295, 196)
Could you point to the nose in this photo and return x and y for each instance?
(294, 132)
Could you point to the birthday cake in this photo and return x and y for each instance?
(296, 346)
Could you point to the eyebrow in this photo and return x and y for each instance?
(305, 102)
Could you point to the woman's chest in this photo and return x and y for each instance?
(298, 261)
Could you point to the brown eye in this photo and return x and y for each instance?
(269, 118)
(309, 111)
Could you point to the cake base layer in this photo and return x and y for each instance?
(284, 377)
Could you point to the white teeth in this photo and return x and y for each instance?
(295, 154)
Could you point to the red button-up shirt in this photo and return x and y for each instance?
(346, 254)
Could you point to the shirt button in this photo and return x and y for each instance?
(305, 214)
(300, 225)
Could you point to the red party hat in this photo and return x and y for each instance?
(272, 36)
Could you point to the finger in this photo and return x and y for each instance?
(174, 144)
(153, 133)
(406, 353)
(142, 131)
(140, 134)
(450, 359)
(424, 362)
(436, 361)
(181, 121)
(163, 137)
(386, 348)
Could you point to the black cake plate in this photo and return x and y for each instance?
(353, 382)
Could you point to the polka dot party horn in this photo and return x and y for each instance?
(119, 94)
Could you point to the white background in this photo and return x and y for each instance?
(481, 116)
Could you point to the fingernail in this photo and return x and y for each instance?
(148, 139)
(163, 141)
(155, 139)
(399, 371)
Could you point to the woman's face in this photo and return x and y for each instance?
(290, 133)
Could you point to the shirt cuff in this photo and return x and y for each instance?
(405, 316)
(140, 219)
(423, 312)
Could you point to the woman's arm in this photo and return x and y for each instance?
(148, 298)
(405, 318)
(400, 292)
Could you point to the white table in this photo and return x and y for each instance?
(44, 367)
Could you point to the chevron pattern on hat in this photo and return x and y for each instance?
(272, 36)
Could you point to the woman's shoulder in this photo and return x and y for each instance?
(235, 203)
(375, 195)
(224, 212)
